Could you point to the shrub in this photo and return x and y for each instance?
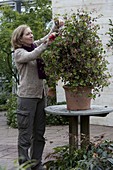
(3, 98)
(110, 32)
(11, 111)
(78, 55)
(97, 156)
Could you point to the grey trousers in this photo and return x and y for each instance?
(31, 128)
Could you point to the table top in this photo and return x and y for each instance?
(94, 111)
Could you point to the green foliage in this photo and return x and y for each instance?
(110, 33)
(4, 95)
(97, 156)
(3, 98)
(56, 120)
(61, 159)
(11, 111)
(3, 107)
(77, 54)
(26, 165)
(2, 168)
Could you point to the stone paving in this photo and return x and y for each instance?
(55, 136)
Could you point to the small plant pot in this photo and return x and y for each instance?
(51, 92)
(78, 98)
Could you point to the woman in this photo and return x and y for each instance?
(31, 94)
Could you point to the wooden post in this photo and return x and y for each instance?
(84, 130)
(73, 132)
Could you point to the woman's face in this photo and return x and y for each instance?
(27, 38)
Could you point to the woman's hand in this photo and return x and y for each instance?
(50, 39)
(52, 36)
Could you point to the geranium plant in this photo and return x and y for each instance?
(77, 54)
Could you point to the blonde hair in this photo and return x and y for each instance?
(17, 35)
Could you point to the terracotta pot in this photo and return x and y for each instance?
(51, 92)
(78, 98)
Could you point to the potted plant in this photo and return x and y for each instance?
(77, 57)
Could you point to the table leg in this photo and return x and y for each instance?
(73, 132)
(84, 131)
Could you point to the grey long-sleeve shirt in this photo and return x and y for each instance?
(30, 85)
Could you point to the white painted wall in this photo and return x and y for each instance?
(104, 7)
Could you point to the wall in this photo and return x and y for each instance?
(104, 7)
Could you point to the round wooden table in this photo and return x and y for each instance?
(84, 122)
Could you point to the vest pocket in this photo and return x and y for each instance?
(22, 119)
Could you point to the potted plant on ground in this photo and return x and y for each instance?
(77, 56)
